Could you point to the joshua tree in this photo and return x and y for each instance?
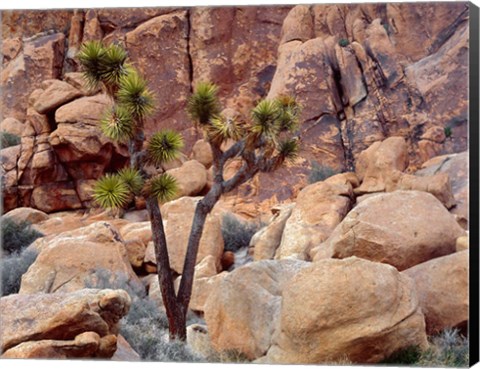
(263, 145)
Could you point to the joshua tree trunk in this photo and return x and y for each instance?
(203, 208)
(176, 313)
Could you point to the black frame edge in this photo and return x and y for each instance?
(474, 183)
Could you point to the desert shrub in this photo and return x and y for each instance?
(228, 356)
(447, 131)
(12, 268)
(237, 233)
(343, 42)
(448, 349)
(407, 356)
(8, 139)
(17, 236)
(145, 327)
(319, 173)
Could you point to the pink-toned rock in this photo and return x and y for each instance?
(202, 152)
(378, 44)
(456, 166)
(442, 288)
(78, 81)
(358, 310)
(266, 241)
(319, 208)
(9, 157)
(246, 299)
(441, 79)
(57, 94)
(302, 73)
(86, 110)
(401, 228)
(41, 58)
(78, 142)
(73, 260)
(33, 216)
(376, 164)
(298, 25)
(84, 345)
(351, 75)
(13, 126)
(125, 352)
(57, 196)
(191, 178)
(28, 321)
(168, 73)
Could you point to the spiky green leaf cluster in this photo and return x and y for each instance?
(163, 187)
(111, 191)
(264, 117)
(203, 104)
(114, 68)
(102, 63)
(221, 129)
(164, 146)
(134, 95)
(288, 149)
(118, 124)
(132, 178)
(288, 113)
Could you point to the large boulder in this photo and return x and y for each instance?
(242, 312)
(401, 228)
(202, 152)
(456, 167)
(29, 215)
(442, 288)
(178, 217)
(191, 178)
(375, 165)
(57, 94)
(44, 325)
(319, 208)
(380, 168)
(266, 241)
(71, 260)
(78, 141)
(349, 309)
(13, 126)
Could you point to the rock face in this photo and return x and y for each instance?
(402, 228)
(169, 70)
(362, 72)
(318, 209)
(62, 325)
(37, 58)
(178, 217)
(246, 299)
(352, 308)
(442, 287)
(71, 260)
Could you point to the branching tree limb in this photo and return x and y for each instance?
(263, 145)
